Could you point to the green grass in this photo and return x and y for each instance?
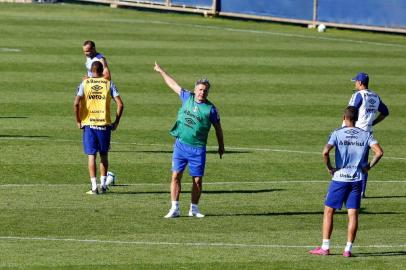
(280, 89)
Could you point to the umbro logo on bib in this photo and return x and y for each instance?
(351, 132)
(372, 101)
(96, 87)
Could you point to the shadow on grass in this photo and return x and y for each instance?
(240, 191)
(13, 117)
(297, 214)
(385, 197)
(381, 254)
(210, 152)
(230, 191)
(22, 136)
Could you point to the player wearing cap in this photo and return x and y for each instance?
(191, 130)
(371, 110)
(351, 144)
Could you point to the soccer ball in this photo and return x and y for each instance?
(111, 179)
(321, 28)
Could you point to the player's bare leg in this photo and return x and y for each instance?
(91, 161)
(175, 194)
(327, 231)
(176, 185)
(328, 222)
(352, 231)
(196, 189)
(104, 166)
(196, 192)
(92, 165)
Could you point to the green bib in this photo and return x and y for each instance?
(193, 124)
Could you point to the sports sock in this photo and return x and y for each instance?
(94, 183)
(175, 205)
(193, 206)
(326, 244)
(103, 181)
(348, 247)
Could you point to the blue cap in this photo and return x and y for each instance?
(362, 77)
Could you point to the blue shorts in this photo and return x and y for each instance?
(184, 154)
(344, 192)
(96, 139)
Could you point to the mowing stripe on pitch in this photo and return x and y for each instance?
(261, 32)
(235, 148)
(236, 183)
(221, 28)
(148, 243)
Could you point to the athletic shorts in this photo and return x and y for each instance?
(184, 154)
(96, 139)
(344, 192)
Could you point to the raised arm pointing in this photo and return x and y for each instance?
(168, 79)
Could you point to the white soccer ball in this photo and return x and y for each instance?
(321, 28)
(111, 179)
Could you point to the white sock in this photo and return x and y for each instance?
(175, 204)
(94, 183)
(193, 206)
(348, 247)
(326, 244)
(103, 181)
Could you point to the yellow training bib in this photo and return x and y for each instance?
(95, 105)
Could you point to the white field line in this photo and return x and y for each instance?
(232, 148)
(206, 184)
(201, 244)
(260, 32)
(9, 50)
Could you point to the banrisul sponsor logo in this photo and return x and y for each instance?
(351, 143)
(95, 81)
(194, 116)
(370, 110)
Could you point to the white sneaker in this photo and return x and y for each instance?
(195, 213)
(173, 213)
(93, 192)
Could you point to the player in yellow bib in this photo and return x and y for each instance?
(92, 111)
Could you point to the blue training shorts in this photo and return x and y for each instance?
(96, 139)
(344, 192)
(184, 154)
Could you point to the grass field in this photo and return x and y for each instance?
(280, 90)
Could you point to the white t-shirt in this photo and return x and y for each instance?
(89, 62)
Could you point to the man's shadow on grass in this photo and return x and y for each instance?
(386, 197)
(209, 152)
(13, 117)
(318, 213)
(22, 136)
(381, 254)
(232, 191)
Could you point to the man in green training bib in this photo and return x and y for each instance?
(191, 130)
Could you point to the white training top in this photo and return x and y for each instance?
(89, 62)
(368, 104)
